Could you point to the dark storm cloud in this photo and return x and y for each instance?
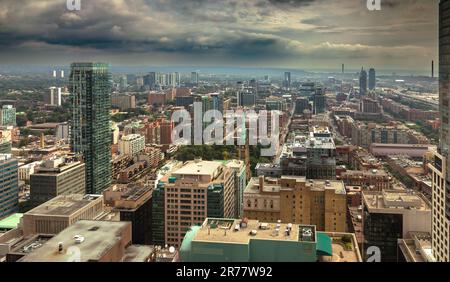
(214, 31)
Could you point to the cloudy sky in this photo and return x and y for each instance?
(304, 34)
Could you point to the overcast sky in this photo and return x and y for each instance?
(304, 34)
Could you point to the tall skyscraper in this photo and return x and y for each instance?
(372, 79)
(194, 78)
(440, 185)
(363, 82)
(90, 85)
(287, 80)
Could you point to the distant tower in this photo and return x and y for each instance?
(343, 68)
(287, 80)
(372, 79)
(432, 69)
(244, 154)
(363, 82)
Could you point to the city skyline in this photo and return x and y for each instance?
(257, 33)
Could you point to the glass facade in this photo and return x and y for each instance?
(444, 87)
(9, 186)
(90, 85)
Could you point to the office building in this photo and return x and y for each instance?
(131, 144)
(301, 104)
(26, 170)
(390, 215)
(123, 102)
(60, 212)
(53, 97)
(365, 134)
(187, 193)
(90, 129)
(149, 80)
(194, 78)
(240, 182)
(440, 221)
(134, 204)
(5, 146)
(229, 240)
(62, 131)
(95, 241)
(56, 177)
(369, 179)
(287, 81)
(9, 183)
(294, 199)
(362, 82)
(276, 104)
(8, 116)
(319, 102)
(440, 172)
(158, 216)
(372, 79)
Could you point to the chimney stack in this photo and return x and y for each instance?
(261, 183)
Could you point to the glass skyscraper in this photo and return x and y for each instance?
(90, 87)
(372, 79)
(363, 82)
(440, 185)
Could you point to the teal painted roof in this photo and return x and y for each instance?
(324, 245)
(11, 221)
(186, 244)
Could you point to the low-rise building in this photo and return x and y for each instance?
(229, 240)
(91, 241)
(57, 214)
(370, 179)
(390, 215)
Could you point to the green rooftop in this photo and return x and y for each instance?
(11, 221)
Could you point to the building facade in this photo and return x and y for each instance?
(57, 177)
(294, 199)
(9, 192)
(90, 85)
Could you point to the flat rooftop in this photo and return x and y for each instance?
(417, 247)
(11, 221)
(137, 253)
(99, 236)
(224, 230)
(198, 168)
(321, 185)
(273, 185)
(394, 200)
(63, 205)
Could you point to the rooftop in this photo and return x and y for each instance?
(235, 231)
(274, 185)
(64, 205)
(99, 236)
(394, 200)
(11, 221)
(208, 168)
(417, 247)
